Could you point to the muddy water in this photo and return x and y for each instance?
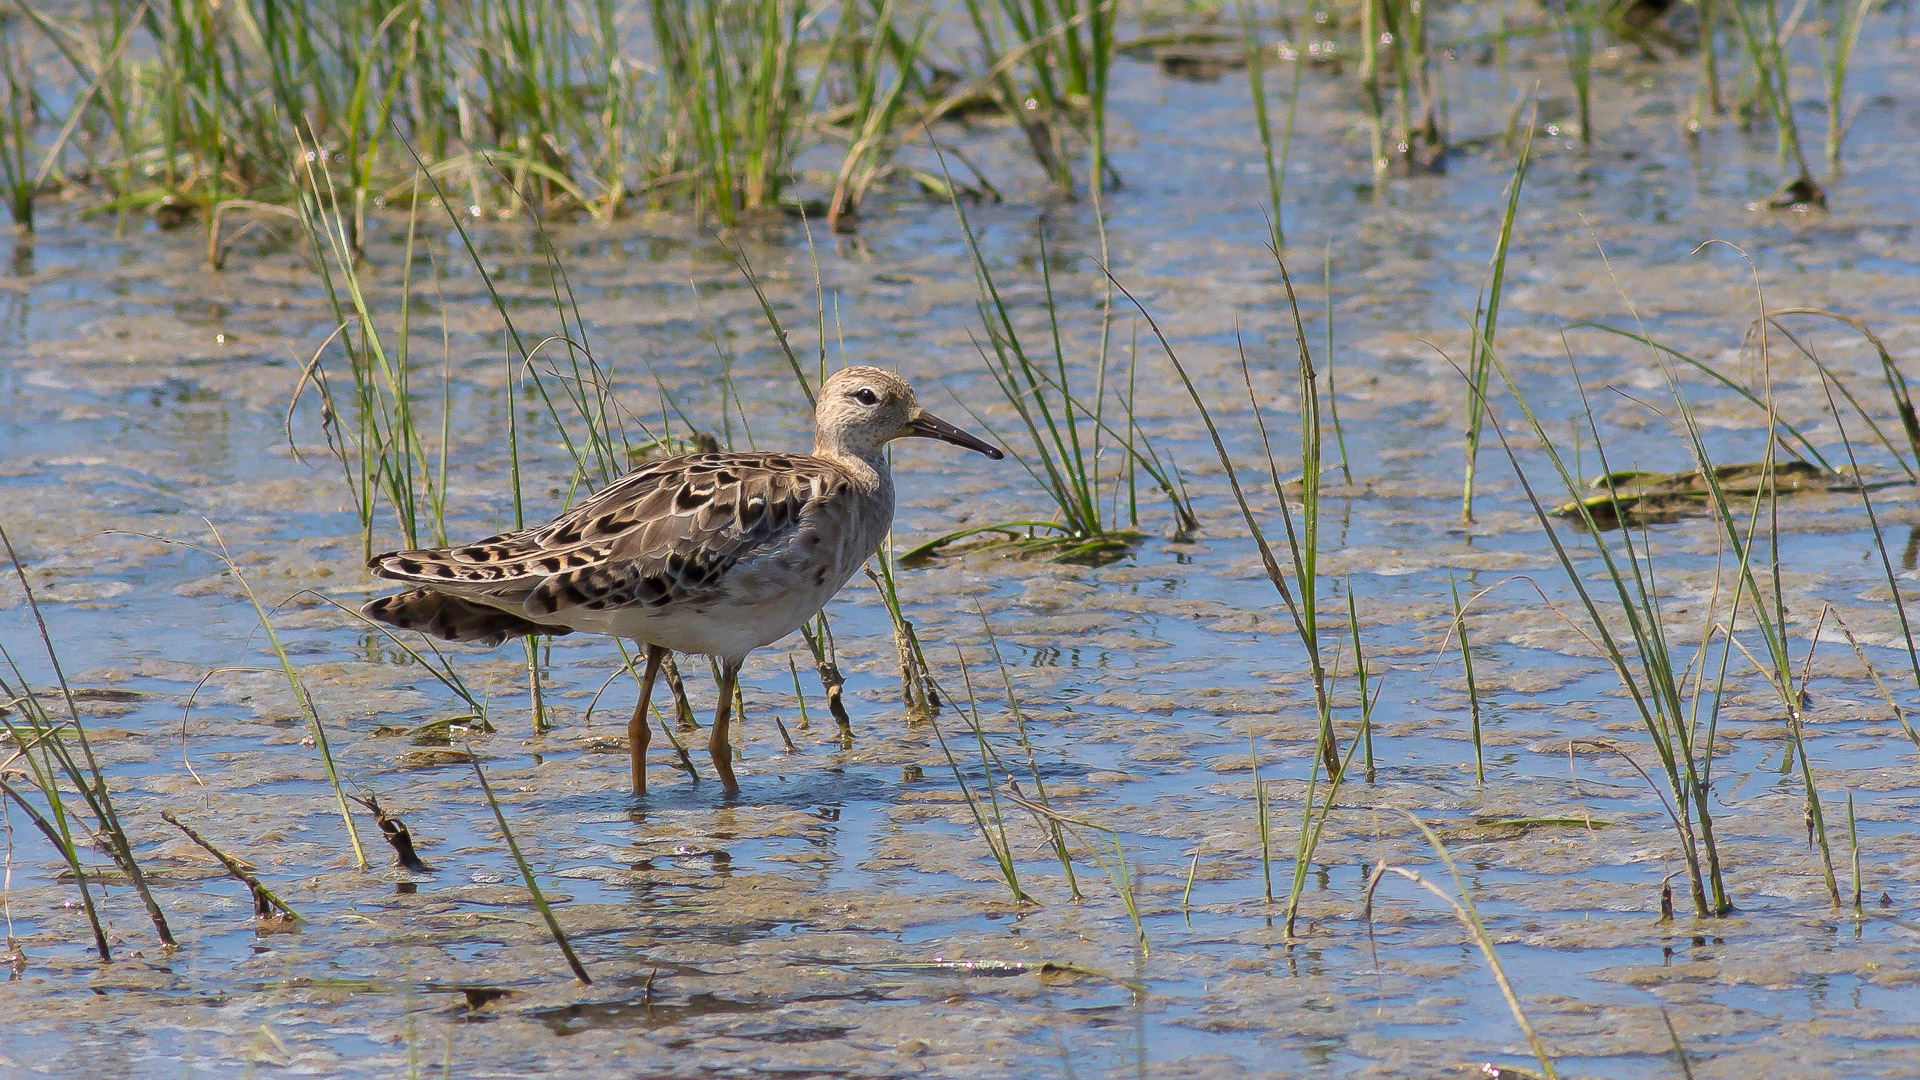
(843, 916)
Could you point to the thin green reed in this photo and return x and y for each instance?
(996, 838)
(93, 46)
(519, 359)
(1333, 393)
(17, 140)
(36, 738)
(1406, 21)
(1853, 840)
(526, 876)
(1303, 544)
(1771, 624)
(603, 451)
(301, 696)
(1262, 820)
(1054, 833)
(1897, 390)
(1886, 567)
(1845, 20)
(881, 72)
(1314, 815)
(58, 836)
(1760, 31)
(1310, 475)
(1369, 73)
(1469, 917)
(987, 758)
(1486, 318)
(1116, 869)
(1361, 676)
(916, 688)
(1276, 164)
(1707, 103)
(1575, 25)
(1066, 430)
(1473, 690)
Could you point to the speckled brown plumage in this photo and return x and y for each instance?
(706, 553)
(453, 619)
(666, 534)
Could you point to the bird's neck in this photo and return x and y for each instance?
(869, 466)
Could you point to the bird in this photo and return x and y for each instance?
(715, 554)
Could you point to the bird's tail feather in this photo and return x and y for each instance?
(453, 618)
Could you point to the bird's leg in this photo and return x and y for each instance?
(637, 734)
(717, 744)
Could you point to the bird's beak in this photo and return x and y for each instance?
(928, 426)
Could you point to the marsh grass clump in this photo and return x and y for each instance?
(378, 437)
(599, 108)
(1765, 43)
(195, 103)
(18, 110)
(585, 107)
(1070, 434)
(882, 48)
(1678, 687)
(1399, 32)
(917, 692)
(1048, 62)
(1656, 678)
(1575, 22)
(733, 84)
(1844, 23)
(46, 745)
(1256, 61)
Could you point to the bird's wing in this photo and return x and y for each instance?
(667, 531)
(454, 618)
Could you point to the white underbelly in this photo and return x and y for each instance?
(731, 626)
(755, 606)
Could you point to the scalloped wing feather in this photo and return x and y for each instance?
(667, 532)
(453, 618)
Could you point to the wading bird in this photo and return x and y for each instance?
(715, 554)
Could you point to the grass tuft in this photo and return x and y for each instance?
(1067, 431)
(55, 759)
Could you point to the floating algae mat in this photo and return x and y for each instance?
(1077, 800)
(1646, 497)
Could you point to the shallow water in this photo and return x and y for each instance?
(843, 916)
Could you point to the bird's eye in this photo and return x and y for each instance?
(866, 396)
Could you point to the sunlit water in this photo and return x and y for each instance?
(818, 924)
